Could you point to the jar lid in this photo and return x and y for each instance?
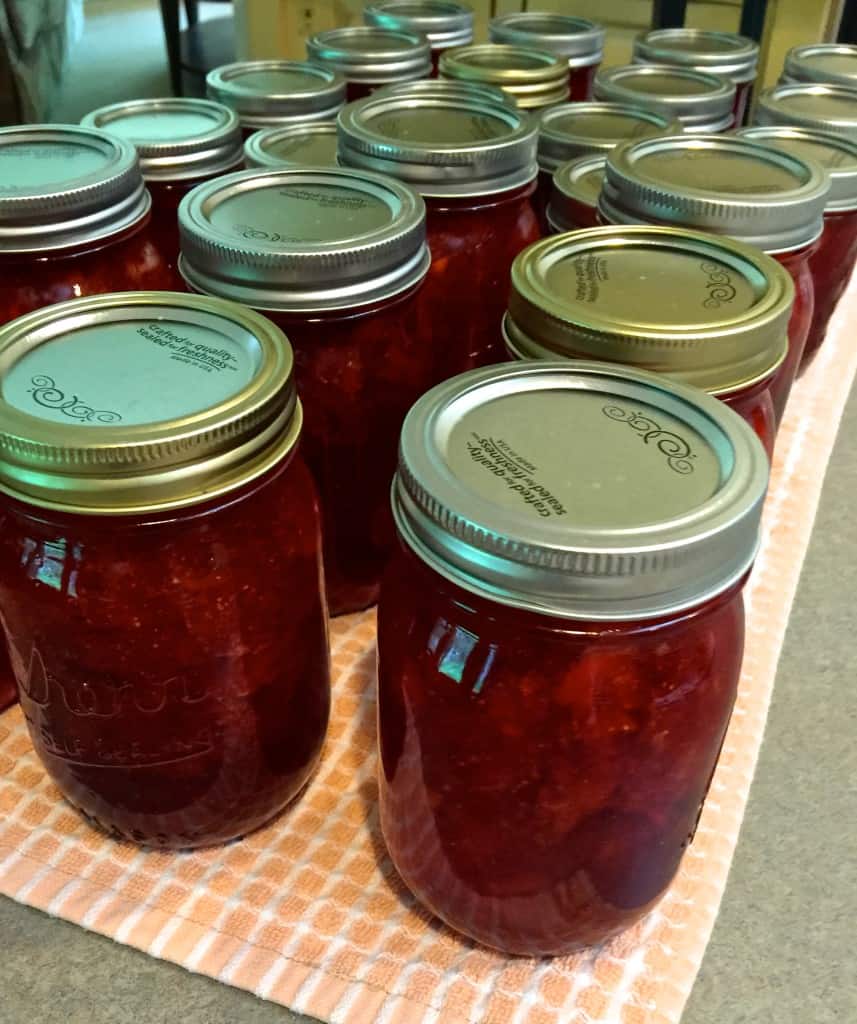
(370, 55)
(724, 53)
(63, 185)
(830, 108)
(701, 100)
(583, 490)
(831, 63)
(447, 88)
(707, 311)
(303, 239)
(575, 184)
(579, 40)
(441, 147)
(571, 130)
(266, 93)
(534, 78)
(442, 22)
(837, 154)
(295, 145)
(175, 137)
(138, 401)
(723, 184)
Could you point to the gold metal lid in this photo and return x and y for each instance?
(293, 146)
(830, 63)
(575, 184)
(578, 40)
(701, 100)
(724, 53)
(706, 311)
(141, 401)
(534, 78)
(827, 108)
(443, 22)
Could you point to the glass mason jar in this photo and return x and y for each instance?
(825, 108)
(336, 259)
(833, 261)
(573, 130)
(574, 199)
(369, 57)
(474, 163)
(444, 23)
(559, 643)
(702, 310)
(180, 142)
(294, 146)
(160, 563)
(533, 78)
(700, 100)
(277, 93)
(732, 186)
(724, 53)
(824, 63)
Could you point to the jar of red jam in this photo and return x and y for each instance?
(578, 41)
(444, 23)
(180, 142)
(369, 57)
(336, 258)
(700, 309)
(277, 93)
(533, 78)
(573, 130)
(824, 108)
(573, 202)
(559, 643)
(725, 53)
(728, 186)
(474, 164)
(834, 259)
(700, 100)
(294, 146)
(828, 63)
(160, 563)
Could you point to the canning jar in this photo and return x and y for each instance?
(160, 563)
(828, 63)
(725, 53)
(825, 108)
(572, 130)
(833, 261)
(474, 164)
(573, 201)
(335, 258)
(533, 78)
(700, 100)
(369, 57)
(700, 309)
(277, 93)
(559, 643)
(728, 186)
(447, 88)
(180, 142)
(294, 146)
(444, 23)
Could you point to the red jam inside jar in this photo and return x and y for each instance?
(294, 146)
(533, 78)
(473, 162)
(550, 716)
(337, 258)
(181, 143)
(444, 23)
(368, 57)
(572, 202)
(167, 622)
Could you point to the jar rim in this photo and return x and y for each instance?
(354, 52)
(578, 39)
(777, 105)
(443, 22)
(535, 78)
(708, 109)
(258, 147)
(798, 66)
(232, 85)
(725, 53)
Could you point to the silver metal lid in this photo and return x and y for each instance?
(579, 40)
(63, 186)
(830, 63)
(701, 100)
(572, 130)
(535, 78)
(442, 22)
(575, 184)
(582, 490)
(373, 56)
(175, 137)
(268, 93)
(447, 88)
(836, 154)
(723, 184)
(830, 108)
(293, 146)
(441, 147)
(303, 239)
(724, 53)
